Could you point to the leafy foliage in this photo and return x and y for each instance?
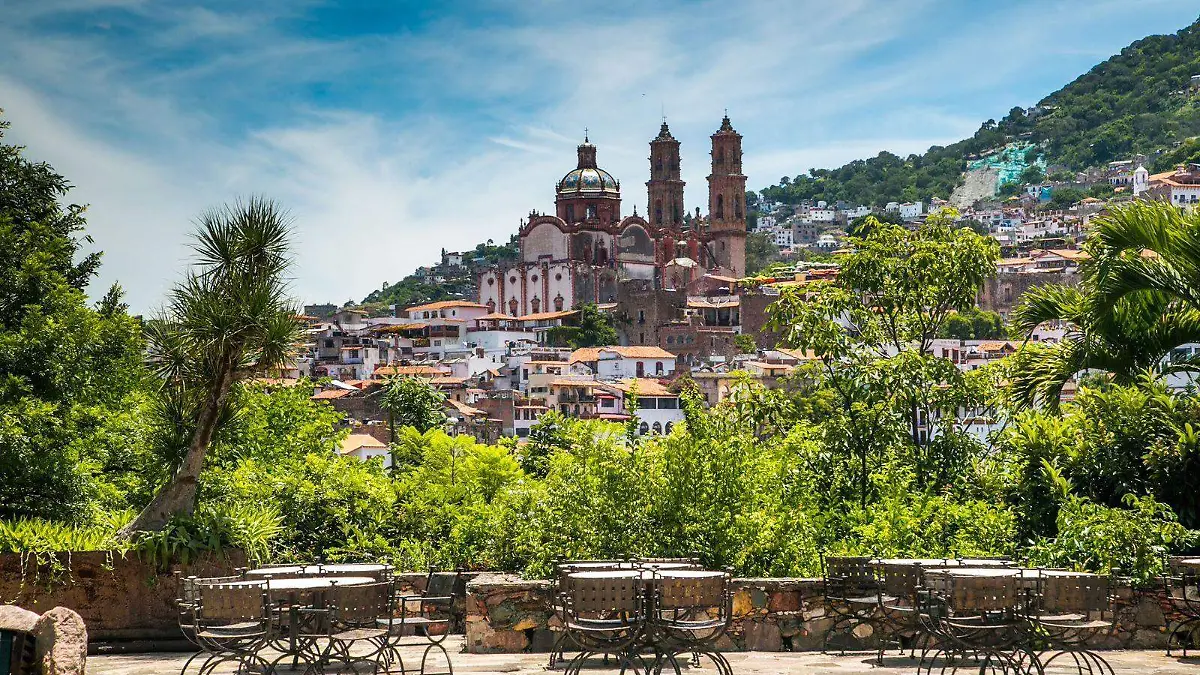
(413, 402)
(593, 329)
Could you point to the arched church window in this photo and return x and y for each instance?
(491, 305)
(737, 207)
(591, 211)
(535, 305)
(558, 303)
(720, 206)
(721, 156)
(570, 213)
(657, 211)
(512, 307)
(601, 257)
(658, 165)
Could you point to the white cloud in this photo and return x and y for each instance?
(454, 134)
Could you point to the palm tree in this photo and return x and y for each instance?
(1138, 299)
(229, 317)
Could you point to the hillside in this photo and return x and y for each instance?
(1135, 102)
(441, 281)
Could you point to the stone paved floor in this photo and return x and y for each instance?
(748, 663)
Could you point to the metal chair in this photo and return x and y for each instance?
(1070, 612)
(431, 614)
(357, 615)
(691, 614)
(605, 613)
(853, 597)
(900, 607)
(1182, 585)
(977, 624)
(227, 621)
(559, 590)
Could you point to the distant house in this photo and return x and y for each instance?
(364, 447)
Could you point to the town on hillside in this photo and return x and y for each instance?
(672, 285)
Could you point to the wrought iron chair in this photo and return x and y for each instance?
(691, 614)
(430, 614)
(605, 613)
(853, 598)
(357, 615)
(227, 620)
(1070, 612)
(1182, 585)
(978, 625)
(900, 607)
(559, 591)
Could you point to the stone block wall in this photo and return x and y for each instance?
(507, 614)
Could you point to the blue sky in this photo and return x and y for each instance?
(393, 129)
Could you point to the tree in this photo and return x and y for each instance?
(973, 324)
(862, 226)
(1032, 175)
(228, 318)
(761, 251)
(69, 373)
(593, 329)
(872, 329)
(745, 343)
(413, 402)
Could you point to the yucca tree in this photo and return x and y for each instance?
(1137, 300)
(229, 317)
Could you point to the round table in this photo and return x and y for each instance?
(944, 562)
(1190, 562)
(310, 583)
(354, 569)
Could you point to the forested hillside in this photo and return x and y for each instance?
(456, 282)
(1135, 102)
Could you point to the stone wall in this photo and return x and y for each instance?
(507, 614)
(120, 597)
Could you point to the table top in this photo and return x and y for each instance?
(646, 574)
(308, 583)
(317, 570)
(1021, 572)
(1190, 562)
(944, 562)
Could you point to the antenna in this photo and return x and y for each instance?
(585, 134)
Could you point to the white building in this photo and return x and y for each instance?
(365, 447)
(624, 362)
(783, 237)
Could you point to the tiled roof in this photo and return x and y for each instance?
(358, 441)
(330, 394)
(545, 316)
(416, 371)
(444, 304)
(645, 386)
(589, 354)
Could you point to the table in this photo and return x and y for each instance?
(1026, 577)
(295, 587)
(1190, 562)
(362, 569)
(944, 562)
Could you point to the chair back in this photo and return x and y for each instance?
(901, 579)
(684, 592)
(444, 584)
(238, 602)
(850, 574)
(969, 594)
(361, 605)
(1074, 593)
(619, 593)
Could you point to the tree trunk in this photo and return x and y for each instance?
(178, 496)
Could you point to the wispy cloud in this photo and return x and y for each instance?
(393, 133)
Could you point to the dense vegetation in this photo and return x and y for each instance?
(1134, 102)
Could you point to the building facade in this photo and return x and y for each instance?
(584, 250)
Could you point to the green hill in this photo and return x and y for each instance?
(454, 282)
(1135, 102)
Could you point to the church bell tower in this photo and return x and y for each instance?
(664, 190)
(727, 200)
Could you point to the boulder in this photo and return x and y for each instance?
(61, 639)
(17, 620)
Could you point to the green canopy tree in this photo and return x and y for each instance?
(67, 369)
(594, 329)
(412, 402)
(229, 317)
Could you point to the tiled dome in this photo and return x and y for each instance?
(589, 182)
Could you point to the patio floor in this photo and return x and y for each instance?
(750, 663)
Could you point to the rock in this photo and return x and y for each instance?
(526, 623)
(17, 620)
(762, 636)
(1149, 612)
(61, 642)
(784, 601)
(742, 605)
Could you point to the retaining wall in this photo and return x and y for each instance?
(508, 614)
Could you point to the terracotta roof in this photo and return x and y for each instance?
(329, 394)
(358, 441)
(762, 365)
(464, 408)
(1068, 254)
(802, 355)
(417, 371)
(589, 354)
(645, 387)
(497, 316)
(574, 382)
(544, 316)
(995, 346)
(444, 381)
(445, 304)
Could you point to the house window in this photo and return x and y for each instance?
(658, 367)
(607, 402)
(644, 429)
(641, 369)
(668, 427)
(329, 343)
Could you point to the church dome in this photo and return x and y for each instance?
(589, 181)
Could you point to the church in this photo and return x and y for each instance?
(587, 248)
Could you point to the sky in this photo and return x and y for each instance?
(392, 129)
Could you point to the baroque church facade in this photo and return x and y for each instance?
(587, 247)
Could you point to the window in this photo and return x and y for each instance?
(591, 211)
(522, 432)
(641, 316)
(524, 373)
(657, 428)
(669, 425)
(644, 429)
(647, 403)
(570, 213)
(608, 402)
(658, 367)
(329, 344)
(720, 206)
(641, 369)
(668, 403)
